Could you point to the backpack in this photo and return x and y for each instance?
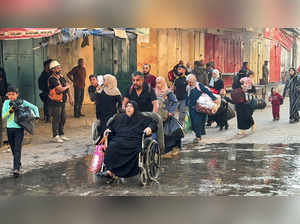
(237, 96)
(53, 94)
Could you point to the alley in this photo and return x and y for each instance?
(263, 163)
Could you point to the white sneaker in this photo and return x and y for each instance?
(65, 138)
(57, 139)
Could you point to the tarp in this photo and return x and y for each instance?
(55, 36)
(26, 33)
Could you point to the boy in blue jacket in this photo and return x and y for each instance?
(15, 132)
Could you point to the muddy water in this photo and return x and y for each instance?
(216, 169)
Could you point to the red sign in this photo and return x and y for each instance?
(279, 36)
(26, 33)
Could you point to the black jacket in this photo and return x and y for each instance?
(218, 85)
(43, 82)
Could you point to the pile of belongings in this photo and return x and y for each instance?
(206, 105)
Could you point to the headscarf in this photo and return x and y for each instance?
(213, 80)
(295, 72)
(134, 117)
(111, 87)
(135, 106)
(164, 89)
(192, 78)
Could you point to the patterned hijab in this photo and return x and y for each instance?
(111, 87)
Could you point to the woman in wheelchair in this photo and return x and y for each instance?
(125, 142)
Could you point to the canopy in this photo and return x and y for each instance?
(26, 33)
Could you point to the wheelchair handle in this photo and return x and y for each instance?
(143, 138)
(106, 133)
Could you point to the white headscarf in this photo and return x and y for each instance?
(191, 78)
(213, 80)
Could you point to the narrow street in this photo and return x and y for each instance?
(264, 163)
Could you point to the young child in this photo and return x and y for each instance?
(276, 100)
(221, 115)
(248, 81)
(15, 133)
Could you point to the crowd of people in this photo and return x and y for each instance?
(147, 106)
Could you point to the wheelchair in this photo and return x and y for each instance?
(149, 160)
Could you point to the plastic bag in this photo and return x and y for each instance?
(173, 128)
(188, 123)
(98, 158)
(25, 117)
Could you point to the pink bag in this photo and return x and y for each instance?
(98, 158)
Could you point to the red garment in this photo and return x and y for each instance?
(275, 100)
(214, 91)
(151, 80)
(276, 110)
(299, 69)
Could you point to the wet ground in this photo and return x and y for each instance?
(216, 169)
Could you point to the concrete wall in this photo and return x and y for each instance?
(148, 52)
(68, 55)
(167, 46)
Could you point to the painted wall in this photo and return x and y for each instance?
(68, 55)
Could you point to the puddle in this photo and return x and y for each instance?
(213, 169)
(192, 161)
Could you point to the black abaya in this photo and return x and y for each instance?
(106, 107)
(244, 114)
(125, 143)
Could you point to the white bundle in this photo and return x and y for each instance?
(207, 103)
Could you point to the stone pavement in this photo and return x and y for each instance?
(267, 132)
(40, 152)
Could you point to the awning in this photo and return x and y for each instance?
(280, 36)
(26, 33)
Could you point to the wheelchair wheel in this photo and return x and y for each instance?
(153, 160)
(143, 178)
